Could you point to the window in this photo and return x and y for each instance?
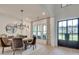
(35, 30)
(44, 31)
(68, 28)
(40, 31)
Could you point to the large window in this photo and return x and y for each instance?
(40, 31)
(68, 30)
(68, 33)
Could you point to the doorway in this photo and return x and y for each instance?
(68, 33)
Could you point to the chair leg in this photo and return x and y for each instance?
(30, 45)
(11, 45)
(25, 46)
(13, 52)
(33, 47)
(2, 50)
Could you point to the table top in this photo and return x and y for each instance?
(28, 39)
(24, 39)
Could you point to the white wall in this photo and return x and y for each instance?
(53, 32)
(68, 12)
(40, 22)
(49, 9)
(4, 20)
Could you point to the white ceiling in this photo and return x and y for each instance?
(31, 11)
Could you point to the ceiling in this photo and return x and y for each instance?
(31, 11)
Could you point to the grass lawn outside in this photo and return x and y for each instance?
(73, 37)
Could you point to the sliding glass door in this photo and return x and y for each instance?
(68, 33)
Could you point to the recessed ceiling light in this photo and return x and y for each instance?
(43, 13)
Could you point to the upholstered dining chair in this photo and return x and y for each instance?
(4, 44)
(33, 42)
(17, 43)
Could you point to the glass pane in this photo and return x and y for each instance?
(34, 33)
(44, 32)
(35, 28)
(70, 30)
(39, 27)
(60, 37)
(64, 23)
(60, 24)
(39, 35)
(44, 35)
(70, 22)
(75, 37)
(75, 29)
(44, 28)
(63, 37)
(75, 22)
(64, 29)
(70, 37)
(60, 30)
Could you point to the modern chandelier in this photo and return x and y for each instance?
(12, 28)
(21, 25)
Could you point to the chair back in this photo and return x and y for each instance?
(2, 43)
(34, 40)
(17, 43)
(10, 37)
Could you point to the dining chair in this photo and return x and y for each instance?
(17, 43)
(3, 44)
(33, 42)
(10, 37)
